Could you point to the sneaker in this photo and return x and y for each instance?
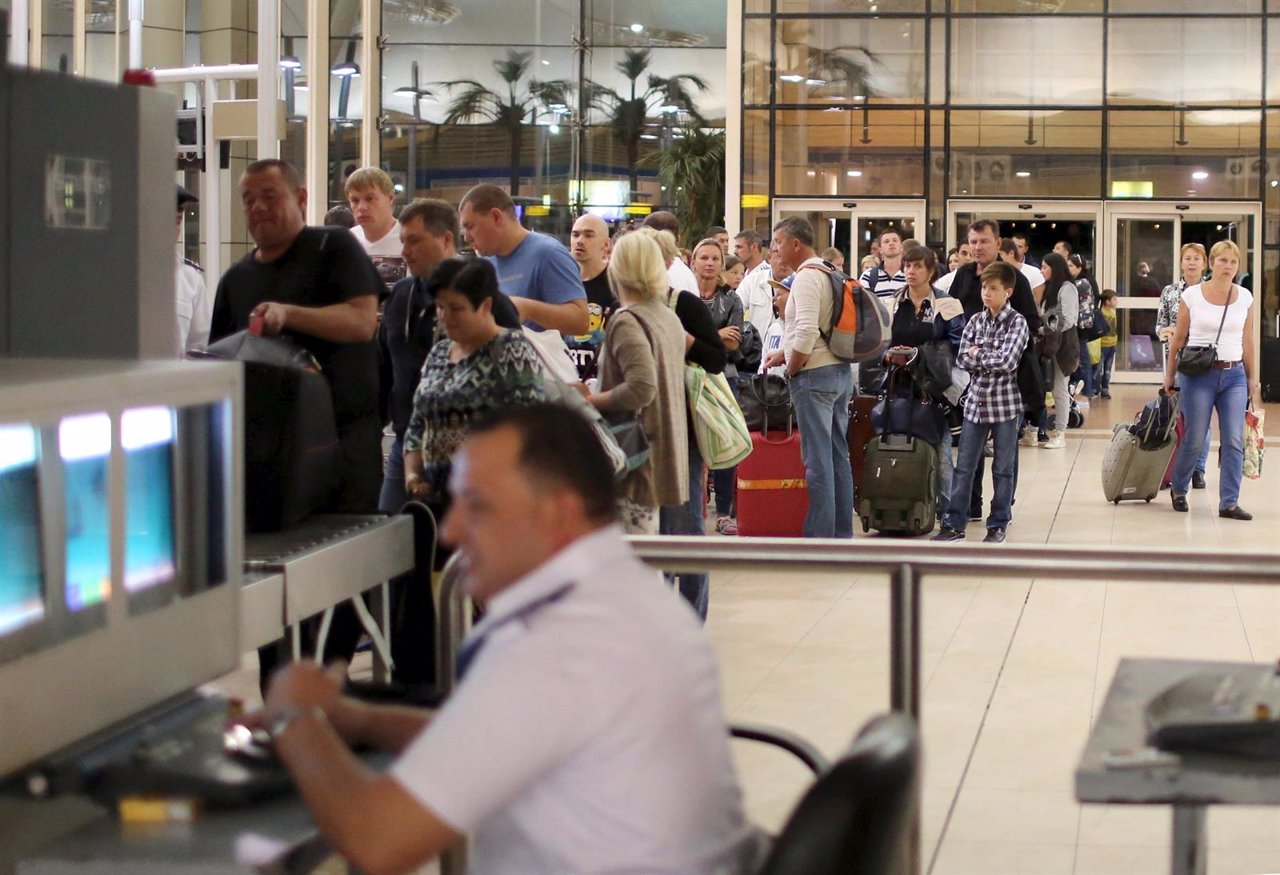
(989, 451)
(1106, 396)
(1057, 441)
(995, 535)
(947, 534)
(726, 525)
(975, 516)
(1028, 439)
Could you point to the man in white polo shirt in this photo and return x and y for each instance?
(586, 734)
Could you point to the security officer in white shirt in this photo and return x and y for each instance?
(586, 734)
(193, 304)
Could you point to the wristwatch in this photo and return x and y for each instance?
(280, 725)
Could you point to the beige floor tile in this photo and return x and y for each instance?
(1244, 828)
(1002, 858)
(1226, 861)
(1094, 859)
(1126, 825)
(1033, 816)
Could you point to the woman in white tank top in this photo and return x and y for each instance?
(1215, 313)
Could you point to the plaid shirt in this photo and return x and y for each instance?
(993, 394)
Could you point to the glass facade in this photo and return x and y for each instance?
(1086, 108)
(567, 103)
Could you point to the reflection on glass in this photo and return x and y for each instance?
(146, 434)
(21, 569)
(1026, 152)
(831, 228)
(850, 60)
(105, 51)
(1273, 61)
(844, 7)
(1003, 7)
(1174, 61)
(756, 58)
(1187, 153)
(868, 236)
(58, 27)
(1181, 7)
(84, 443)
(1007, 60)
(850, 151)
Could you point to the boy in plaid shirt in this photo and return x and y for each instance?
(990, 350)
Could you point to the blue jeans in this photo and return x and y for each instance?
(393, 496)
(1227, 391)
(972, 439)
(689, 519)
(821, 400)
(946, 470)
(1104, 368)
(1085, 370)
(1203, 461)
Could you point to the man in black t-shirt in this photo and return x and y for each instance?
(588, 243)
(317, 286)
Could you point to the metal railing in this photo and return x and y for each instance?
(906, 563)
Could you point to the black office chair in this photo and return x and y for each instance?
(856, 818)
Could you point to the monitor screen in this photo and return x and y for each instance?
(146, 435)
(21, 568)
(84, 444)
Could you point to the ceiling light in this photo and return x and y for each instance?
(815, 83)
(1022, 174)
(859, 97)
(669, 107)
(290, 62)
(347, 67)
(853, 173)
(1275, 183)
(832, 109)
(791, 77)
(1200, 174)
(553, 128)
(648, 136)
(811, 173)
(637, 28)
(546, 63)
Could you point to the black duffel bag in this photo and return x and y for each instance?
(290, 433)
(766, 403)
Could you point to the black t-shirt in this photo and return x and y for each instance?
(585, 348)
(912, 327)
(967, 289)
(324, 266)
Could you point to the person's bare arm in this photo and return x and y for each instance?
(352, 321)
(569, 318)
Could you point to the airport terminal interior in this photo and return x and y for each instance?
(1125, 128)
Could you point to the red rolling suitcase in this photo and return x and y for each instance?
(772, 494)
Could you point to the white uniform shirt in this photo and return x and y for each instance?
(681, 277)
(193, 307)
(757, 297)
(587, 735)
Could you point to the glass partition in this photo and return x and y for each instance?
(1184, 63)
(1185, 153)
(58, 32)
(850, 60)
(346, 91)
(1026, 153)
(1020, 60)
(854, 151)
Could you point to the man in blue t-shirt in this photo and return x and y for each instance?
(535, 270)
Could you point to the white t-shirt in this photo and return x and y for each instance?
(681, 277)
(757, 298)
(1205, 318)
(944, 282)
(587, 735)
(1033, 275)
(386, 253)
(772, 341)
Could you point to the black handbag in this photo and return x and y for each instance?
(1196, 360)
(1031, 385)
(766, 403)
(932, 368)
(899, 412)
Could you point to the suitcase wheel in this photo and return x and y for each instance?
(1115, 501)
(1148, 501)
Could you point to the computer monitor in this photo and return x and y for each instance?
(84, 446)
(147, 438)
(21, 563)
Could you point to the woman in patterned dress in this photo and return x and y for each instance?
(478, 369)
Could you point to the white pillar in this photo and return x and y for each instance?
(317, 64)
(19, 25)
(733, 119)
(268, 78)
(136, 15)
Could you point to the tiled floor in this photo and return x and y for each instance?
(1012, 673)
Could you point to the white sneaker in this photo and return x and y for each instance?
(1057, 441)
(1028, 438)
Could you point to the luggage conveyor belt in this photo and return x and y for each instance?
(318, 564)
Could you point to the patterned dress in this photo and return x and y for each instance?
(504, 373)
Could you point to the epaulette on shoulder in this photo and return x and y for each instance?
(189, 263)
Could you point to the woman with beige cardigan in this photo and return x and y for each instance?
(641, 368)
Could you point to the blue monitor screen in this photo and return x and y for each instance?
(21, 577)
(84, 443)
(147, 437)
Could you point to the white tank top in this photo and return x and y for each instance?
(1205, 318)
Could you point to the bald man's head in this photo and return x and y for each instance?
(589, 243)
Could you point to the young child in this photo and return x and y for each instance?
(1103, 379)
(990, 350)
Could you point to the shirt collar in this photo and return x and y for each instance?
(579, 562)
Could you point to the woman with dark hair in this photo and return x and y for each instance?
(479, 368)
(1059, 311)
(1087, 311)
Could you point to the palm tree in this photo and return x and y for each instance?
(693, 171)
(509, 111)
(629, 114)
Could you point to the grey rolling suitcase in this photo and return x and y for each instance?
(1130, 473)
(899, 489)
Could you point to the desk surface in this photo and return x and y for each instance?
(1200, 778)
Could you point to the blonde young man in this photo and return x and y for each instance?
(372, 198)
